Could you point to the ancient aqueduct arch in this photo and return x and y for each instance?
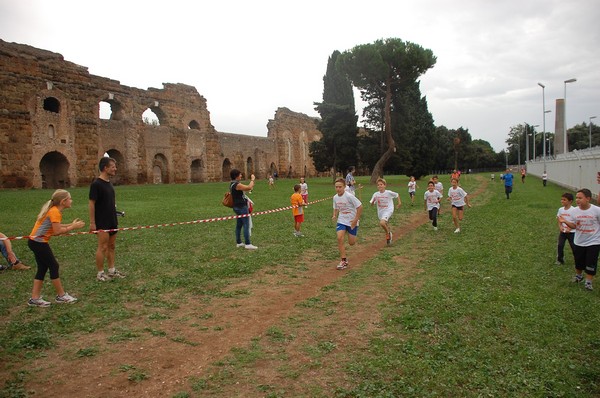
(52, 132)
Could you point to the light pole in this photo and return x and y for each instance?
(519, 155)
(591, 117)
(549, 146)
(544, 123)
(527, 141)
(565, 115)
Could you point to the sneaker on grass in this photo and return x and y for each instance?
(65, 299)
(588, 285)
(102, 277)
(251, 247)
(39, 302)
(577, 278)
(240, 245)
(116, 274)
(342, 265)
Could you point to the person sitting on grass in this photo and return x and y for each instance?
(7, 252)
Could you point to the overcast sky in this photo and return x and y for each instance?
(247, 58)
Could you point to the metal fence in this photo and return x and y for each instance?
(573, 170)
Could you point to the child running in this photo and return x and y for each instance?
(440, 188)
(48, 224)
(385, 207)
(458, 198)
(297, 210)
(432, 203)
(565, 232)
(412, 189)
(304, 190)
(348, 209)
(587, 236)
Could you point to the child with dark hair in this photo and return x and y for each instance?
(298, 204)
(432, 203)
(587, 236)
(565, 234)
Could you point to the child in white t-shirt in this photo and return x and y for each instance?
(347, 209)
(412, 189)
(432, 203)
(385, 207)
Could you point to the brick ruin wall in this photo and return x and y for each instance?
(52, 136)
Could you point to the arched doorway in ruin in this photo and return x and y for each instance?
(249, 167)
(160, 169)
(121, 176)
(54, 169)
(226, 169)
(196, 173)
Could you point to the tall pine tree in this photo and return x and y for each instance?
(337, 149)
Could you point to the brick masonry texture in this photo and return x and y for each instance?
(52, 135)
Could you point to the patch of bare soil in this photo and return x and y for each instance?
(230, 321)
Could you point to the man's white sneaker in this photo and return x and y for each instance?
(251, 247)
(240, 245)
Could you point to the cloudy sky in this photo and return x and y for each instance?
(247, 58)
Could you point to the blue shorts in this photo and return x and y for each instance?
(351, 231)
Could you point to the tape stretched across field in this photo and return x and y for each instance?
(258, 213)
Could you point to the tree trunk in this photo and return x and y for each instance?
(378, 168)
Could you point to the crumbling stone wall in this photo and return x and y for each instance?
(51, 134)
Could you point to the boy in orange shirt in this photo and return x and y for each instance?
(297, 210)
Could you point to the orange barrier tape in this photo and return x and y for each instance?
(258, 213)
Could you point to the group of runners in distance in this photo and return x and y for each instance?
(347, 208)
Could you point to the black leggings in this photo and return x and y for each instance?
(45, 260)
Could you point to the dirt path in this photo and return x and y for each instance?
(208, 333)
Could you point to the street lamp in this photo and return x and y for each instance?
(519, 155)
(527, 141)
(565, 115)
(591, 117)
(549, 146)
(544, 123)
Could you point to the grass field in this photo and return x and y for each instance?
(481, 313)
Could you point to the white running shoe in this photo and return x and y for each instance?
(65, 299)
(251, 247)
(457, 230)
(39, 302)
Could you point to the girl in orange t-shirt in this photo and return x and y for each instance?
(48, 223)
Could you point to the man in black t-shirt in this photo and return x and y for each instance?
(103, 219)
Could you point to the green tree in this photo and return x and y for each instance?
(412, 126)
(337, 148)
(382, 67)
(579, 136)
